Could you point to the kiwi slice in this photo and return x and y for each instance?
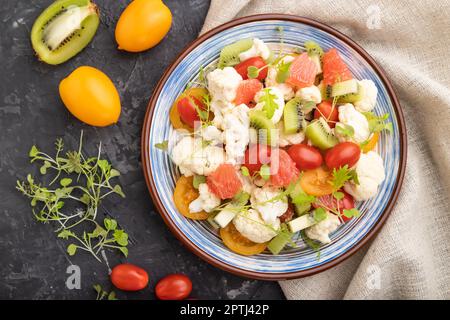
(64, 29)
(325, 91)
(352, 97)
(313, 49)
(264, 126)
(320, 134)
(302, 208)
(229, 56)
(344, 87)
(293, 116)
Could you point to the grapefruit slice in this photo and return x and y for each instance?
(224, 181)
(334, 68)
(283, 170)
(246, 91)
(302, 71)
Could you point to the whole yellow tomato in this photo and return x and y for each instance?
(91, 96)
(142, 25)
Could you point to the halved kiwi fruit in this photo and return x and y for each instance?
(264, 126)
(294, 116)
(229, 55)
(320, 134)
(64, 29)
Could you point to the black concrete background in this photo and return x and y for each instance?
(33, 261)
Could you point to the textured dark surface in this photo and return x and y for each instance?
(33, 262)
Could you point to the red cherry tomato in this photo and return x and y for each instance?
(187, 110)
(325, 109)
(258, 62)
(129, 277)
(344, 153)
(287, 216)
(330, 202)
(305, 157)
(173, 287)
(255, 156)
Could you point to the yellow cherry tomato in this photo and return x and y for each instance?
(183, 195)
(238, 243)
(142, 25)
(91, 96)
(174, 114)
(317, 182)
(372, 143)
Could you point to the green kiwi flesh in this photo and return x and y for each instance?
(229, 56)
(320, 135)
(264, 126)
(64, 29)
(344, 87)
(293, 116)
(352, 97)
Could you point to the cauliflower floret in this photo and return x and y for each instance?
(278, 99)
(311, 93)
(270, 211)
(236, 134)
(288, 139)
(223, 84)
(220, 109)
(321, 231)
(247, 184)
(369, 99)
(370, 171)
(192, 157)
(271, 80)
(349, 116)
(258, 49)
(206, 201)
(211, 134)
(253, 227)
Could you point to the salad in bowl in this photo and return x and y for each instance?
(272, 143)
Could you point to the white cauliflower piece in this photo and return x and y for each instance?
(192, 157)
(258, 49)
(271, 80)
(278, 100)
(370, 171)
(252, 226)
(223, 84)
(321, 230)
(369, 99)
(206, 201)
(270, 211)
(288, 139)
(311, 93)
(349, 116)
(236, 126)
(247, 183)
(211, 134)
(220, 109)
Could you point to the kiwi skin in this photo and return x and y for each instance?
(294, 117)
(76, 42)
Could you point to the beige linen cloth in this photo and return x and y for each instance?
(410, 257)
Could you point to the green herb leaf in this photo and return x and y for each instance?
(112, 296)
(71, 249)
(118, 189)
(33, 152)
(252, 72)
(270, 104)
(264, 172)
(114, 173)
(65, 182)
(198, 180)
(121, 237)
(320, 214)
(302, 198)
(65, 234)
(340, 177)
(162, 145)
(350, 213)
(124, 251)
(377, 123)
(338, 195)
(345, 130)
(245, 172)
(110, 224)
(283, 71)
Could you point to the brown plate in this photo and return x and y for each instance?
(145, 152)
